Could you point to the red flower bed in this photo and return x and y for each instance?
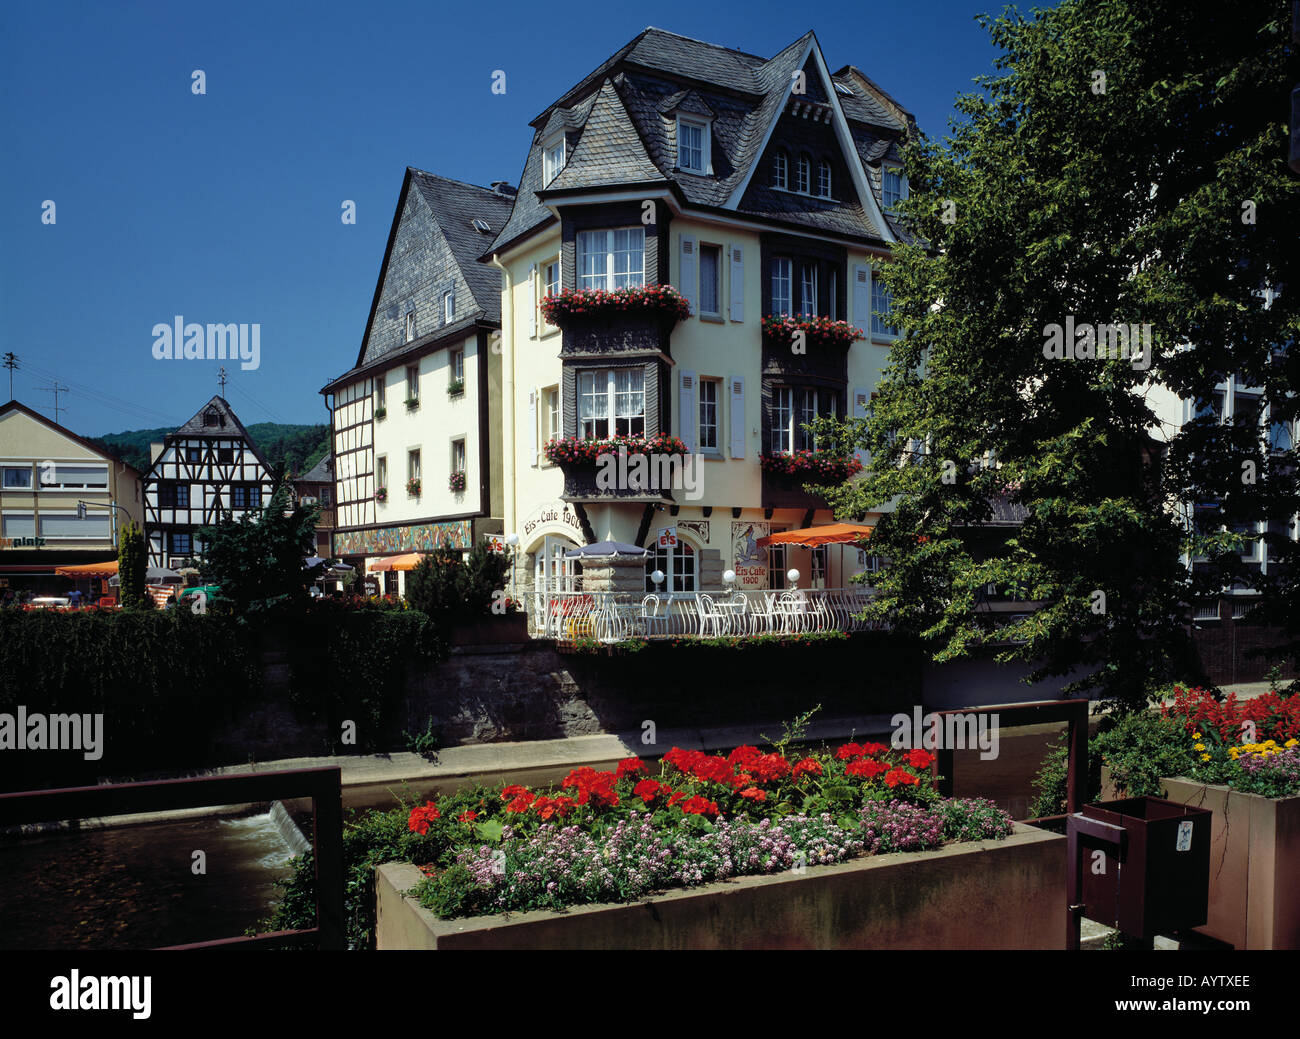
(650, 299)
(781, 328)
(1272, 715)
(816, 467)
(575, 449)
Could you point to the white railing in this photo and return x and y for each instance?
(615, 616)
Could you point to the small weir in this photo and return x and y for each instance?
(141, 886)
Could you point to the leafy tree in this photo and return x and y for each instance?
(258, 560)
(1100, 177)
(444, 587)
(132, 567)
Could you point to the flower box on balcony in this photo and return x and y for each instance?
(381, 494)
(953, 897)
(412, 403)
(456, 388)
(597, 323)
(456, 482)
(634, 468)
(642, 300)
(811, 466)
(413, 488)
(790, 330)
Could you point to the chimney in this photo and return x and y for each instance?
(504, 187)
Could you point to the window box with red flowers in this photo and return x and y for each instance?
(781, 329)
(811, 466)
(655, 300)
(633, 321)
(456, 482)
(381, 494)
(413, 487)
(647, 470)
(851, 849)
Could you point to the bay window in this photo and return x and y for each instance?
(613, 259)
(617, 393)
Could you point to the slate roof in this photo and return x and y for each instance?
(228, 422)
(321, 472)
(620, 123)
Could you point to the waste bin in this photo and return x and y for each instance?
(1146, 868)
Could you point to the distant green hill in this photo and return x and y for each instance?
(295, 447)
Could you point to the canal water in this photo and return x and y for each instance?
(136, 887)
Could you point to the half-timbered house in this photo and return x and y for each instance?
(206, 468)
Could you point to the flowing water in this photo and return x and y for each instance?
(136, 887)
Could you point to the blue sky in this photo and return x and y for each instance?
(225, 207)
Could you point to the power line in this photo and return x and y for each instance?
(274, 416)
(11, 362)
(56, 389)
(131, 408)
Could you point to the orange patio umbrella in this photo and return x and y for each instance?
(88, 569)
(827, 534)
(408, 561)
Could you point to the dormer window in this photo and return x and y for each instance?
(410, 325)
(781, 171)
(209, 418)
(893, 186)
(824, 179)
(692, 145)
(803, 184)
(448, 307)
(553, 159)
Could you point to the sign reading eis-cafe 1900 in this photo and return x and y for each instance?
(747, 558)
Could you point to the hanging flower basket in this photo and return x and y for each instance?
(812, 466)
(413, 487)
(818, 331)
(575, 450)
(648, 299)
(456, 482)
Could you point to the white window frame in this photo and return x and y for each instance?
(552, 163)
(887, 170)
(680, 566)
(609, 280)
(550, 416)
(592, 378)
(824, 179)
(704, 166)
(381, 471)
(781, 170)
(803, 178)
(716, 426)
(410, 325)
(449, 306)
(17, 514)
(459, 442)
(881, 295)
(719, 252)
(807, 299)
(413, 466)
(381, 391)
(412, 382)
(458, 365)
(783, 402)
(20, 467)
(68, 485)
(783, 271)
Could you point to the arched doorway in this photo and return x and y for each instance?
(679, 565)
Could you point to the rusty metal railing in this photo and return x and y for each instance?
(322, 785)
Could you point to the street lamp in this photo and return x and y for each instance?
(793, 577)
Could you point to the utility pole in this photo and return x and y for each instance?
(221, 378)
(56, 389)
(11, 362)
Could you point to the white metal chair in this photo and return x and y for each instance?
(710, 615)
(654, 614)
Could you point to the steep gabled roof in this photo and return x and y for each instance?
(321, 472)
(228, 425)
(455, 206)
(620, 124)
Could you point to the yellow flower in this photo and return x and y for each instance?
(1293, 742)
(1205, 757)
(1198, 746)
(1197, 736)
(1233, 752)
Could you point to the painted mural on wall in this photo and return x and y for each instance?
(747, 558)
(423, 537)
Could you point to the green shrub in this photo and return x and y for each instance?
(1141, 747)
(132, 568)
(444, 587)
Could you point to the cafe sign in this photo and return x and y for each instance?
(22, 542)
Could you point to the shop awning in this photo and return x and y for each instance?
(828, 534)
(409, 561)
(88, 569)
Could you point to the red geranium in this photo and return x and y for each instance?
(521, 802)
(808, 767)
(650, 791)
(918, 758)
(698, 805)
(629, 767)
(420, 818)
(467, 817)
(753, 794)
(849, 750)
(866, 768)
(899, 775)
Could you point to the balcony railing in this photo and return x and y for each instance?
(616, 616)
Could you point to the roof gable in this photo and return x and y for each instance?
(610, 150)
(16, 408)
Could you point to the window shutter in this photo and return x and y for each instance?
(737, 283)
(690, 280)
(862, 297)
(861, 399)
(687, 404)
(532, 310)
(737, 384)
(532, 427)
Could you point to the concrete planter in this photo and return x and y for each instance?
(1254, 865)
(1007, 894)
